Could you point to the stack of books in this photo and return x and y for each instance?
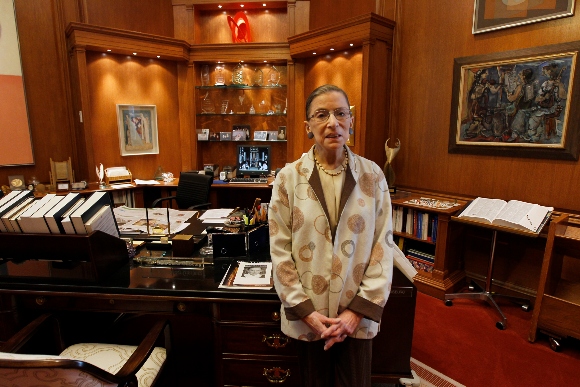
(20, 212)
(421, 260)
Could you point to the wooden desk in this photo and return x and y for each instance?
(229, 332)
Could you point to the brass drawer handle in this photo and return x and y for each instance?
(276, 374)
(276, 340)
(40, 300)
(275, 316)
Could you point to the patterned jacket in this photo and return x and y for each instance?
(314, 270)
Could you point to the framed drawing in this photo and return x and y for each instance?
(517, 103)
(490, 15)
(137, 129)
(272, 135)
(225, 136)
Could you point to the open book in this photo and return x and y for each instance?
(515, 214)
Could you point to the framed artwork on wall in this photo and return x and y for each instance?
(491, 15)
(517, 103)
(137, 129)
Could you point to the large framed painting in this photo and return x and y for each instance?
(517, 103)
(137, 129)
(16, 149)
(490, 15)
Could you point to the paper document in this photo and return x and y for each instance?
(146, 182)
(220, 213)
(134, 220)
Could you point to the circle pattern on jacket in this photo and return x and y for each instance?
(367, 184)
(286, 273)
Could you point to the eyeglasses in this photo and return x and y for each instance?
(322, 115)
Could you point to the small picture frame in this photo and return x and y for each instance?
(16, 182)
(137, 125)
(241, 132)
(202, 134)
(281, 133)
(214, 136)
(253, 273)
(260, 135)
(272, 135)
(62, 187)
(225, 136)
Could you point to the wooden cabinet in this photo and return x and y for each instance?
(250, 348)
(557, 307)
(428, 231)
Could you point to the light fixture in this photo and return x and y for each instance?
(242, 5)
(352, 44)
(134, 53)
(331, 49)
(219, 6)
(264, 4)
(158, 56)
(313, 53)
(265, 61)
(109, 50)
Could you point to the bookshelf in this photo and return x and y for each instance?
(435, 253)
(557, 307)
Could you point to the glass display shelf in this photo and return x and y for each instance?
(238, 87)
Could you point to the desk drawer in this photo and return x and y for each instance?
(256, 339)
(241, 372)
(262, 312)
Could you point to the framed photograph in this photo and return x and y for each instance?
(272, 135)
(225, 136)
(517, 103)
(137, 129)
(16, 182)
(214, 136)
(281, 133)
(260, 135)
(490, 15)
(241, 132)
(202, 134)
(253, 273)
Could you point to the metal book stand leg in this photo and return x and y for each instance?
(486, 294)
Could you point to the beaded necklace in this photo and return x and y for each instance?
(344, 165)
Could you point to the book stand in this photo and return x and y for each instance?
(486, 294)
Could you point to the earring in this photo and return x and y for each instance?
(350, 131)
(310, 135)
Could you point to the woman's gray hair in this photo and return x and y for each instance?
(324, 89)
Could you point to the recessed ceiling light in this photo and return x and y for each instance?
(242, 5)
(352, 44)
(264, 4)
(158, 56)
(109, 50)
(313, 53)
(219, 6)
(331, 49)
(134, 53)
(265, 61)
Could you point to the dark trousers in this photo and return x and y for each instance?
(346, 364)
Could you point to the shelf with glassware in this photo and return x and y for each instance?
(422, 230)
(240, 102)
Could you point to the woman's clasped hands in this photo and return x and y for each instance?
(333, 330)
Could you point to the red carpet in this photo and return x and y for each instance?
(463, 343)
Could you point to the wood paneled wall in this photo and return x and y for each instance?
(430, 36)
(116, 79)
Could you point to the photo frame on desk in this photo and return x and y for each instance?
(491, 15)
(137, 126)
(517, 103)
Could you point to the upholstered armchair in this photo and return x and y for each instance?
(84, 364)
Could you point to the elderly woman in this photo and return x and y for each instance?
(332, 249)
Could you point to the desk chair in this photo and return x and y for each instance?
(192, 192)
(81, 364)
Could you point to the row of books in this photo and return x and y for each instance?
(421, 260)
(21, 212)
(420, 224)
